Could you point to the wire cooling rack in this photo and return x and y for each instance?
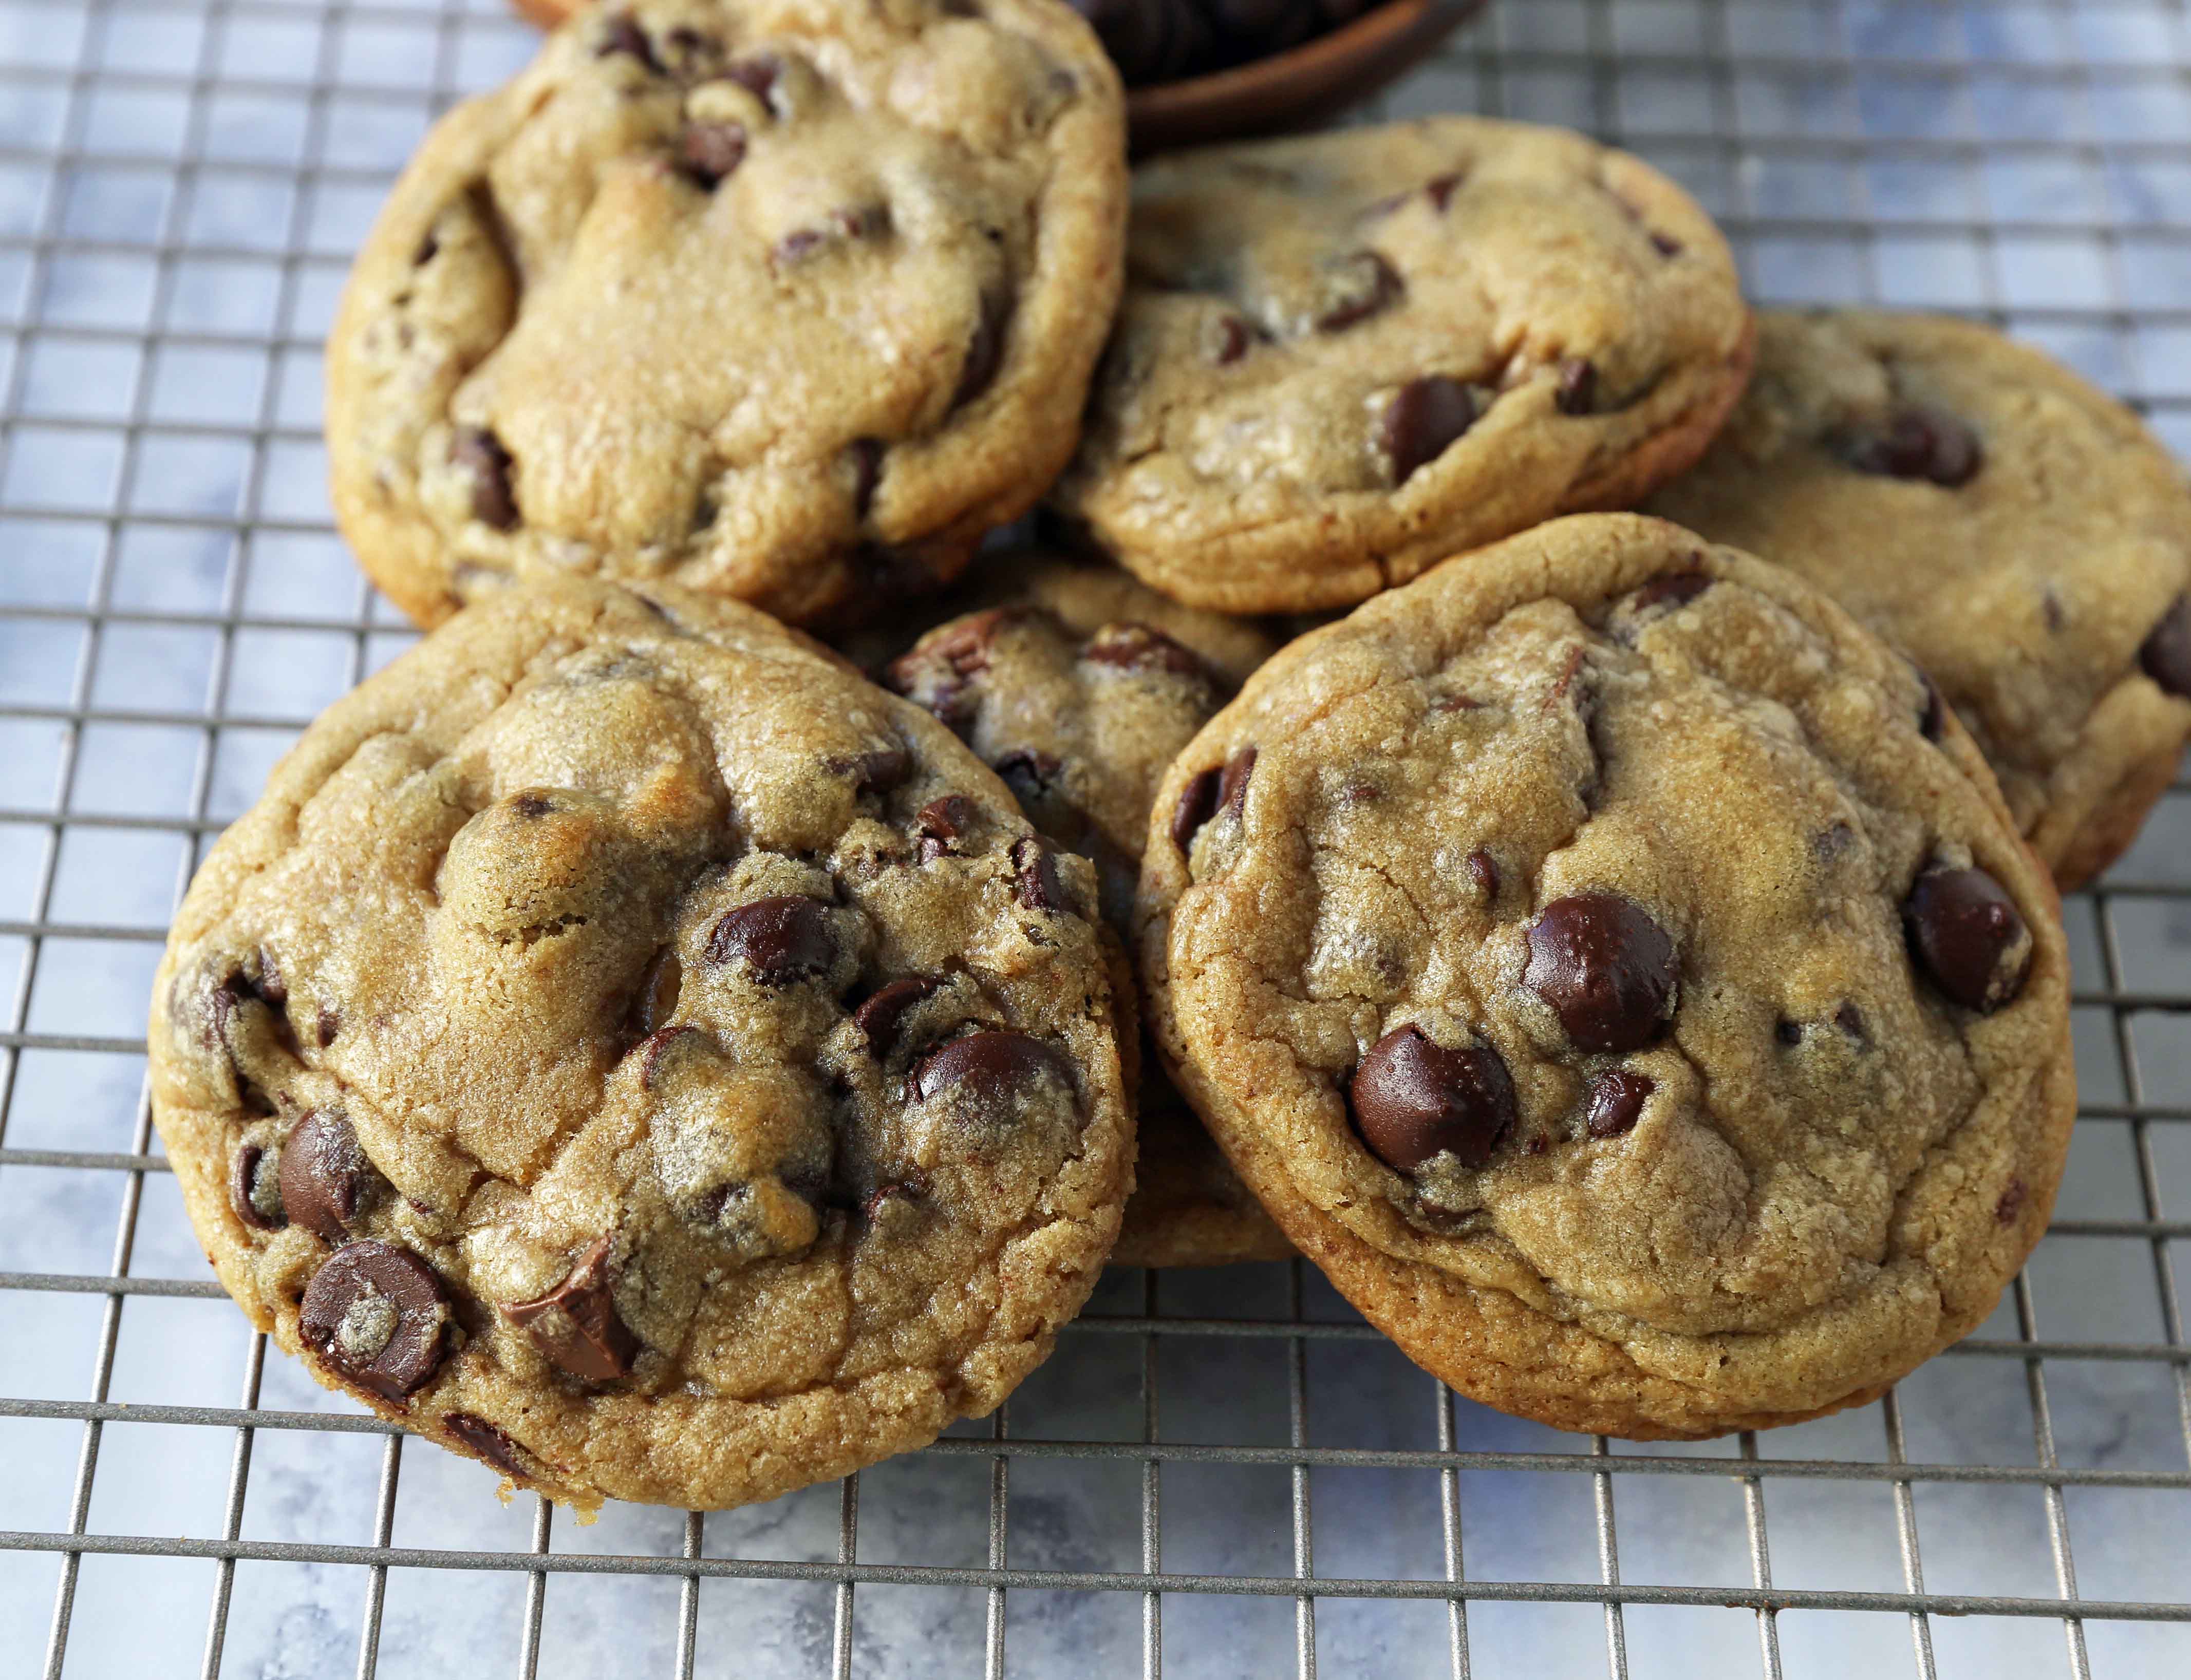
(1218, 1474)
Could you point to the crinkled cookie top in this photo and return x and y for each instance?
(776, 299)
(623, 1036)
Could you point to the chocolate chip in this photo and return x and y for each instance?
(653, 1048)
(622, 34)
(1414, 1099)
(1967, 933)
(1670, 589)
(379, 1315)
(1232, 338)
(1483, 870)
(1362, 283)
(487, 1441)
(1040, 888)
(576, 1324)
(709, 152)
(1616, 1102)
(876, 772)
(329, 1023)
(1850, 1019)
(655, 1000)
(866, 455)
(1422, 421)
(1576, 393)
(985, 350)
(879, 1019)
(480, 453)
(1232, 790)
(254, 1189)
(1440, 189)
(1664, 246)
(1788, 1032)
(942, 820)
(989, 1065)
(2011, 1202)
(1919, 442)
(1030, 773)
(326, 1178)
(757, 75)
(2166, 655)
(936, 672)
(531, 805)
(1198, 803)
(782, 939)
(1142, 647)
(1606, 968)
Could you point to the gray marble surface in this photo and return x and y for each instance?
(158, 356)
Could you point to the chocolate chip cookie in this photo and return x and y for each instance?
(2019, 533)
(777, 301)
(1605, 960)
(1079, 687)
(1344, 357)
(626, 1046)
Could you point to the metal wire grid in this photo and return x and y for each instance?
(2028, 164)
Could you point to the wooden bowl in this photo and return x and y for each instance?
(1289, 90)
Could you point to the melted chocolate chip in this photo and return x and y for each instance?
(653, 1048)
(866, 455)
(1616, 1102)
(480, 453)
(709, 152)
(1422, 421)
(880, 771)
(985, 350)
(2166, 656)
(1483, 870)
(782, 939)
(379, 1315)
(622, 34)
(328, 1025)
(326, 1178)
(1576, 393)
(576, 1324)
(1919, 442)
(2010, 1203)
(1363, 283)
(1606, 968)
(1232, 790)
(487, 1441)
(1967, 933)
(1414, 1099)
(879, 1019)
(1040, 888)
(1142, 647)
(1198, 803)
(254, 1189)
(1440, 189)
(989, 1065)
(1671, 589)
(942, 820)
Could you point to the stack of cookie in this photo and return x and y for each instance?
(676, 1034)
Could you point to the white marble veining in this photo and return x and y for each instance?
(1874, 162)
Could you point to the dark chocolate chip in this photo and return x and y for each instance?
(985, 350)
(576, 1324)
(709, 152)
(936, 672)
(1670, 589)
(1422, 421)
(1198, 803)
(1665, 246)
(326, 1178)
(877, 772)
(1414, 1099)
(1606, 968)
(1040, 888)
(480, 453)
(782, 939)
(942, 820)
(2166, 655)
(1483, 870)
(1363, 283)
(1788, 1032)
(1142, 647)
(1616, 1102)
(879, 1019)
(1967, 933)
(1576, 393)
(379, 1315)
(1232, 790)
(1919, 442)
(990, 1065)
(655, 1000)
(2011, 1202)
(254, 1189)
(622, 34)
(866, 455)
(1850, 1019)
(652, 1049)
(487, 1441)
(1232, 338)
(1440, 189)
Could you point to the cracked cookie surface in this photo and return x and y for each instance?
(626, 1046)
(777, 302)
(2019, 533)
(1079, 686)
(1604, 960)
(1344, 357)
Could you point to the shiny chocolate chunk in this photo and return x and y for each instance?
(1412, 1098)
(1422, 421)
(327, 1181)
(1966, 932)
(576, 1324)
(1616, 1102)
(782, 939)
(1606, 968)
(379, 1314)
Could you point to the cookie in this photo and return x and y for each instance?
(775, 302)
(1079, 687)
(626, 1046)
(2019, 533)
(1604, 961)
(1344, 357)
